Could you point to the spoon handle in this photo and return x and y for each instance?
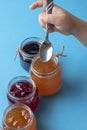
(49, 6)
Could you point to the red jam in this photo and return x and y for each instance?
(23, 91)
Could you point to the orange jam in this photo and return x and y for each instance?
(19, 117)
(46, 75)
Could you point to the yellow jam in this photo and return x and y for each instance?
(46, 75)
(19, 118)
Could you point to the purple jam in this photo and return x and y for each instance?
(28, 51)
(24, 92)
(31, 48)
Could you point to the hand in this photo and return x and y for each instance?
(60, 19)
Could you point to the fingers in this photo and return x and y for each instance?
(37, 4)
(44, 19)
(47, 18)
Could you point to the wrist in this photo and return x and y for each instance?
(77, 25)
(80, 30)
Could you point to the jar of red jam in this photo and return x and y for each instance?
(27, 50)
(22, 89)
(46, 75)
(18, 117)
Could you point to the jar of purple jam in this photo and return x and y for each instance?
(28, 49)
(22, 89)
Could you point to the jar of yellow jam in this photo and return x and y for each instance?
(46, 75)
(18, 117)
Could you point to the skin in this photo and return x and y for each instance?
(62, 21)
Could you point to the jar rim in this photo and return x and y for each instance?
(46, 74)
(23, 79)
(24, 42)
(13, 106)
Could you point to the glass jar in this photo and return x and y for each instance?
(46, 75)
(22, 89)
(27, 50)
(18, 117)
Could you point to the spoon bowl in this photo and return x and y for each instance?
(46, 51)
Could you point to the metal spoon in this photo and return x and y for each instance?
(46, 49)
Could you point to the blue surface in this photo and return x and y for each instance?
(67, 110)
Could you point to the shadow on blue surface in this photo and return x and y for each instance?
(67, 99)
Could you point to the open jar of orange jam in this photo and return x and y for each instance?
(18, 117)
(46, 75)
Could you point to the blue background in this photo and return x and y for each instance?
(66, 110)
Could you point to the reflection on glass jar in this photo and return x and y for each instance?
(46, 75)
(22, 89)
(18, 117)
(28, 49)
